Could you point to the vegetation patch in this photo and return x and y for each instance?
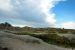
(53, 39)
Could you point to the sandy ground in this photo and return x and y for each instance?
(25, 42)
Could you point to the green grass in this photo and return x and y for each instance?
(53, 39)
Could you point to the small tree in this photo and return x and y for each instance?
(7, 25)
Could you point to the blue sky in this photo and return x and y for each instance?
(65, 11)
(38, 13)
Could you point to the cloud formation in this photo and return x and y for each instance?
(68, 25)
(37, 13)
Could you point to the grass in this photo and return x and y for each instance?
(53, 39)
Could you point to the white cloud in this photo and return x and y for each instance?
(34, 12)
(68, 25)
(5, 5)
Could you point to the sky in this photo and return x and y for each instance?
(38, 13)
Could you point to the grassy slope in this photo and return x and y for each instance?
(53, 39)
